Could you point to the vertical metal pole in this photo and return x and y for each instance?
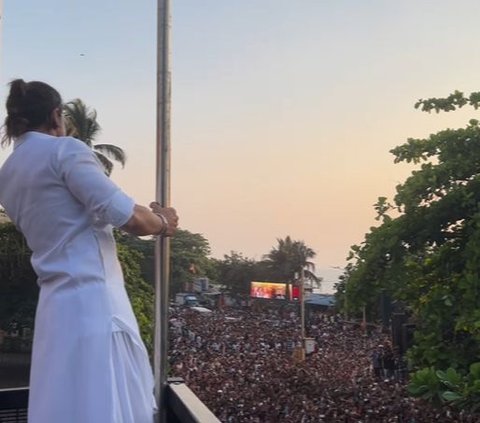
(162, 246)
(364, 319)
(346, 304)
(1, 31)
(302, 305)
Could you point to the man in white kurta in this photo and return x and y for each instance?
(89, 364)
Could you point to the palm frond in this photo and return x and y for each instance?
(311, 276)
(81, 121)
(106, 163)
(112, 151)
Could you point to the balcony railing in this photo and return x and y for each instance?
(13, 405)
(182, 405)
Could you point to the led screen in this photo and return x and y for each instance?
(268, 290)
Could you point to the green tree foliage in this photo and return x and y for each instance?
(426, 251)
(341, 289)
(81, 123)
(19, 290)
(289, 258)
(18, 287)
(235, 272)
(141, 293)
(145, 247)
(448, 387)
(282, 264)
(454, 101)
(190, 259)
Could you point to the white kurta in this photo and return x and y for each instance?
(89, 364)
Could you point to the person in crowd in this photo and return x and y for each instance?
(377, 362)
(89, 363)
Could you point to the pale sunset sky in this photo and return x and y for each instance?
(284, 111)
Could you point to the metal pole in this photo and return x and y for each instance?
(1, 28)
(302, 305)
(162, 245)
(346, 304)
(364, 319)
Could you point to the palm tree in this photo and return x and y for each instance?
(290, 258)
(81, 123)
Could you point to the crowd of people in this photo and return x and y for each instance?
(243, 365)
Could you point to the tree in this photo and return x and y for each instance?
(81, 123)
(141, 293)
(428, 255)
(18, 288)
(145, 247)
(236, 272)
(290, 258)
(190, 259)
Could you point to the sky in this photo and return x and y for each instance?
(283, 112)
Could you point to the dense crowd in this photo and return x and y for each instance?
(243, 365)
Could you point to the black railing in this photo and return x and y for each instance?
(182, 405)
(13, 405)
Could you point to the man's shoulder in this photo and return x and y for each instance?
(71, 145)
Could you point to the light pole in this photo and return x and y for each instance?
(162, 196)
(1, 26)
(302, 311)
(364, 319)
(302, 305)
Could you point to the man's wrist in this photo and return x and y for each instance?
(165, 224)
